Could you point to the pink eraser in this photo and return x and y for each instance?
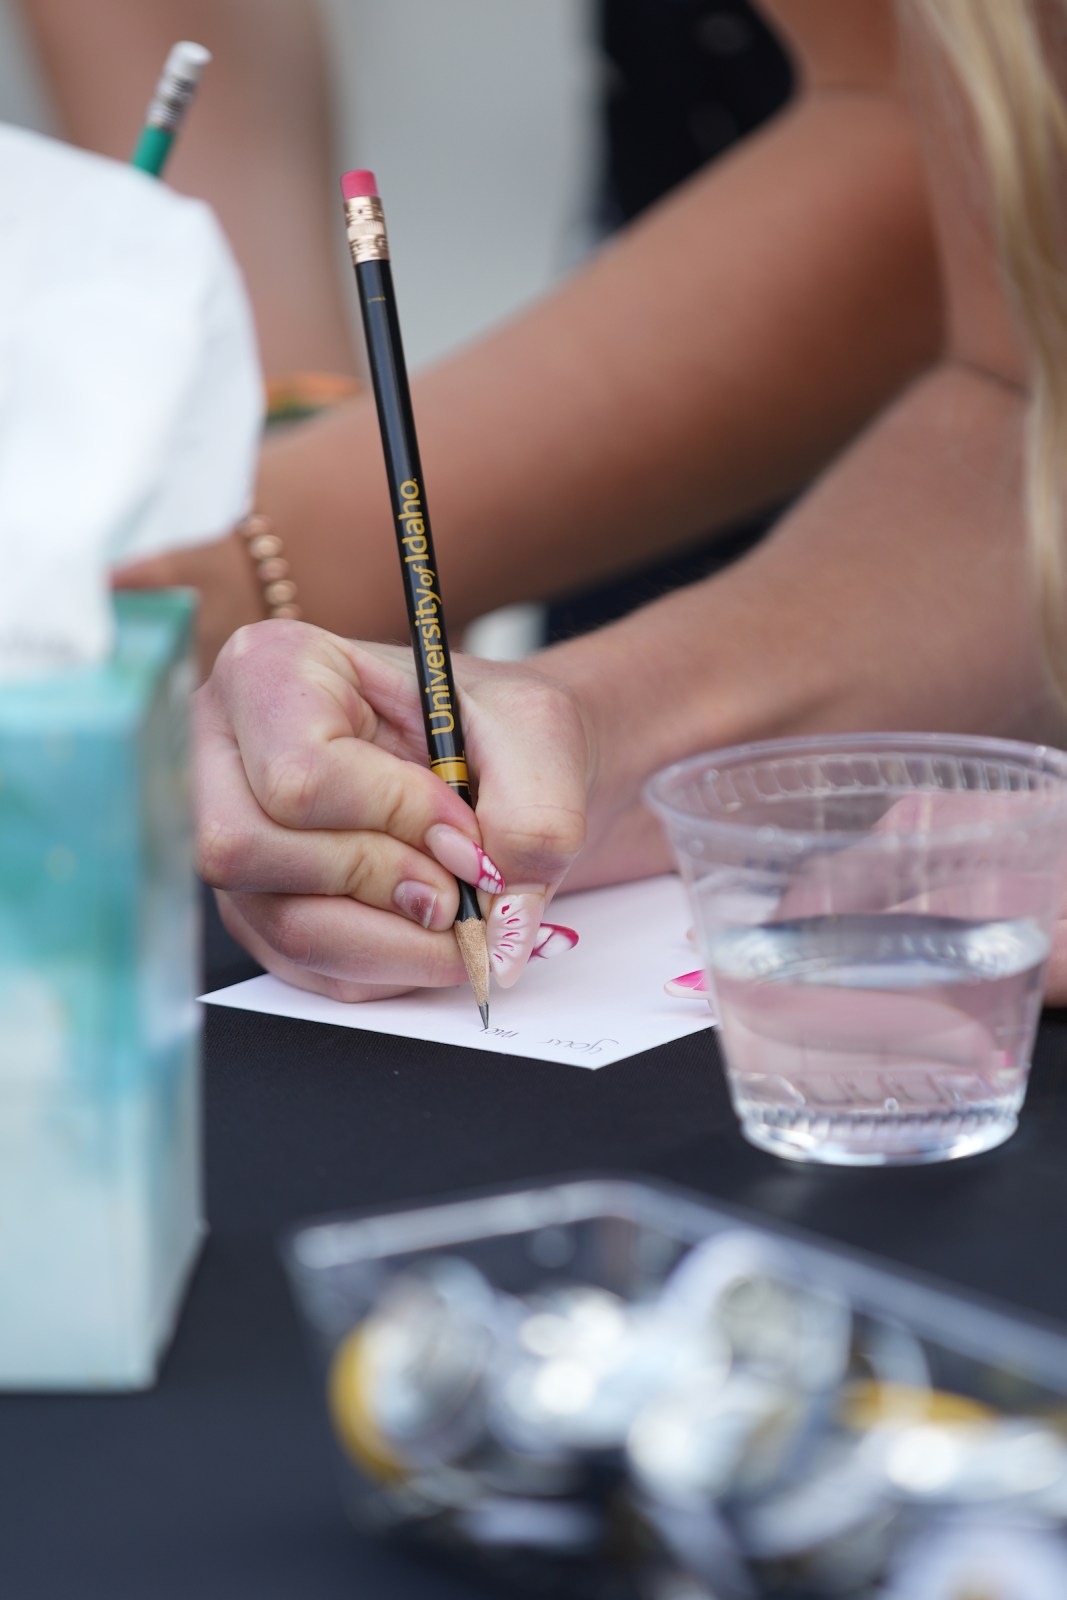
(357, 185)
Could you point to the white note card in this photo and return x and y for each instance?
(595, 1004)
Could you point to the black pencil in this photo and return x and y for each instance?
(407, 490)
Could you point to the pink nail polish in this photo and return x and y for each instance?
(552, 940)
(690, 983)
(461, 855)
(417, 901)
(510, 930)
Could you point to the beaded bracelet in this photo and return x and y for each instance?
(272, 570)
(292, 397)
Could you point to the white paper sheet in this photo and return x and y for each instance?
(598, 1003)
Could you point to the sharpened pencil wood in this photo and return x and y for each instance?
(470, 936)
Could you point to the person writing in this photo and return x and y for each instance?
(895, 593)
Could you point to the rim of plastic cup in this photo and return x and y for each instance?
(1034, 756)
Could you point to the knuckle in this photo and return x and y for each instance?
(221, 854)
(254, 639)
(541, 839)
(290, 787)
(284, 631)
(393, 813)
(358, 878)
(543, 701)
(287, 931)
(238, 646)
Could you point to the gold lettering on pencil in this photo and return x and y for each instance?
(426, 603)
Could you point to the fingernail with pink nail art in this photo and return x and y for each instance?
(552, 940)
(461, 855)
(511, 930)
(690, 983)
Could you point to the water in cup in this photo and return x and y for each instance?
(873, 1037)
(875, 912)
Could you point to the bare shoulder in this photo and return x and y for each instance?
(838, 44)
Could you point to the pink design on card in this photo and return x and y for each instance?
(690, 983)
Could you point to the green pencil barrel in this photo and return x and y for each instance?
(152, 149)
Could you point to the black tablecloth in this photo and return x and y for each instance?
(218, 1485)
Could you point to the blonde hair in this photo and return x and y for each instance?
(1000, 59)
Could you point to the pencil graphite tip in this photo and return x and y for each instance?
(357, 185)
(470, 936)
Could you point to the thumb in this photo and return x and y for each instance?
(529, 750)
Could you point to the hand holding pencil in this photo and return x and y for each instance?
(350, 800)
(336, 848)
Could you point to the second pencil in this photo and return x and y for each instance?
(174, 94)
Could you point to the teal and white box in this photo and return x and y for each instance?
(100, 1162)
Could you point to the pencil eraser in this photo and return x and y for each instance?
(187, 61)
(357, 185)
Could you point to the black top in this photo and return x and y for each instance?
(683, 81)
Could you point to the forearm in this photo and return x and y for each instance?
(709, 362)
(895, 595)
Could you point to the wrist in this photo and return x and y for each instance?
(613, 705)
(322, 485)
(696, 670)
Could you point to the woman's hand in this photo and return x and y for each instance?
(335, 849)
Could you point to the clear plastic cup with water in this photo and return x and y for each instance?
(874, 914)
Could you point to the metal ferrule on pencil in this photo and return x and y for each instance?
(170, 102)
(365, 225)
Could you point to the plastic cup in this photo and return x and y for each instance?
(874, 914)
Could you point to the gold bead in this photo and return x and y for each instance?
(280, 593)
(270, 571)
(263, 546)
(266, 551)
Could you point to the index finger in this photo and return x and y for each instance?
(306, 735)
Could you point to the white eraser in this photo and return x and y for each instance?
(187, 60)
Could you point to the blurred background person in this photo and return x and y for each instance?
(673, 87)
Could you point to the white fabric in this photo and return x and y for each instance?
(130, 392)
